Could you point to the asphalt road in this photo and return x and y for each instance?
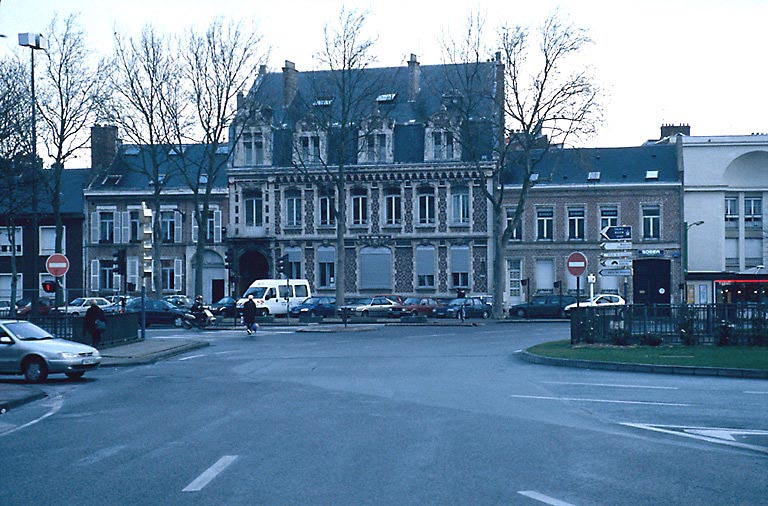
(416, 415)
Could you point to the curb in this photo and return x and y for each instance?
(646, 368)
(34, 395)
(108, 361)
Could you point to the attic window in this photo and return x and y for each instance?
(131, 150)
(160, 178)
(203, 178)
(222, 150)
(112, 179)
(323, 102)
(651, 174)
(386, 97)
(175, 150)
(593, 176)
(534, 177)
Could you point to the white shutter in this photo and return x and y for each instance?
(133, 270)
(126, 222)
(94, 275)
(116, 281)
(116, 226)
(178, 279)
(194, 228)
(217, 226)
(177, 227)
(95, 227)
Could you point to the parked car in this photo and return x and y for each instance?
(5, 308)
(180, 300)
(315, 306)
(27, 349)
(80, 305)
(601, 299)
(158, 312)
(474, 307)
(225, 306)
(414, 306)
(543, 306)
(369, 306)
(24, 306)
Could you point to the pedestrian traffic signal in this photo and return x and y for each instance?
(120, 262)
(49, 286)
(282, 264)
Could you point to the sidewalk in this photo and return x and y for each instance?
(14, 392)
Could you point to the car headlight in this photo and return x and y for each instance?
(67, 355)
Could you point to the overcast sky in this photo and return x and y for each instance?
(699, 62)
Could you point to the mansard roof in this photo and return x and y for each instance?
(647, 164)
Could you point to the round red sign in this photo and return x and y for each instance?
(57, 265)
(577, 263)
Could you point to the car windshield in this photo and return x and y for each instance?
(225, 300)
(257, 291)
(364, 302)
(26, 331)
(411, 300)
(457, 302)
(311, 300)
(77, 302)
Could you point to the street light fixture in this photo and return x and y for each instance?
(683, 284)
(34, 41)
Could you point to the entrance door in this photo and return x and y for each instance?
(217, 289)
(252, 265)
(651, 281)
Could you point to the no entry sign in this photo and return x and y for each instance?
(576, 263)
(57, 265)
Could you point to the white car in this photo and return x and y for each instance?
(601, 299)
(80, 305)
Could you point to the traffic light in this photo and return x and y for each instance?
(282, 264)
(228, 258)
(120, 261)
(49, 286)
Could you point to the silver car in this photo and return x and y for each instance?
(27, 349)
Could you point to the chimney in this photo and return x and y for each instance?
(290, 82)
(262, 70)
(672, 130)
(413, 78)
(103, 146)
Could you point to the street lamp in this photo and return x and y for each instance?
(34, 41)
(683, 284)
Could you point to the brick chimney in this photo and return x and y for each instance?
(290, 82)
(103, 146)
(413, 78)
(672, 130)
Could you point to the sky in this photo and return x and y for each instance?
(699, 62)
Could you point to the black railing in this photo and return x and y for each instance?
(718, 324)
(121, 328)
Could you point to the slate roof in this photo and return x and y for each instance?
(623, 165)
(133, 162)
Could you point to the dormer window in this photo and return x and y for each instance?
(253, 147)
(386, 98)
(376, 148)
(534, 177)
(443, 143)
(323, 102)
(651, 174)
(112, 179)
(593, 176)
(310, 148)
(131, 150)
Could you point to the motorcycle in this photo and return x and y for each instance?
(200, 320)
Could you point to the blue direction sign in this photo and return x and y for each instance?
(622, 233)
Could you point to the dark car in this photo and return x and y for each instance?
(181, 301)
(415, 306)
(543, 306)
(225, 306)
(24, 306)
(474, 307)
(315, 306)
(158, 312)
(369, 306)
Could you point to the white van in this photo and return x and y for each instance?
(275, 296)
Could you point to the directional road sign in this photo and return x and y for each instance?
(57, 265)
(617, 233)
(616, 262)
(616, 245)
(615, 272)
(576, 263)
(616, 254)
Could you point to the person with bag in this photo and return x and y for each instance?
(249, 315)
(95, 323)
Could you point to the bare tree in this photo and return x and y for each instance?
(545, 100)
(217, 66)
(149, 107)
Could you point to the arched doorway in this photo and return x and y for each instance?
(651, 281)
(251, 265)
(214, 276)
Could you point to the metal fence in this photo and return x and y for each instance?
(121, 328)
(713, 324)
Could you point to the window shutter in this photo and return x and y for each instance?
(194, 229)
(178, 266)
(217, 226)
(94, 227)
(177, 227)
(376, 268)
(94, 275)
(133, 270)
(460, 259)
(116, 227)
(126, 228)
(425, 260)
(116, 281)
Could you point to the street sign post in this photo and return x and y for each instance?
(57, 265)
(576, 263)
(614, 233)
(615, 272)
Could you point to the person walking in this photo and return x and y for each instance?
(95, 323)
(249, 315)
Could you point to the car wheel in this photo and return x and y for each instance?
(75, 314)
(521, 313)
(313, 313)
(35, 370)
(486, 315)
(75, 375)
(365, 314)
(262, 312)
(563, 314)
(178, 321)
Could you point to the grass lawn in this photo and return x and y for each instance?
(740, 357)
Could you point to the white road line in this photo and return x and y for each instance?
(57, 404)
(226, 352)
(691, 432)
(190, 357)
(212, 472)
(611, 385)
(607, 401)
(755, 392)
(544, 498)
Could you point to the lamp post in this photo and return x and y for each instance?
(34, 41)
(683, 283)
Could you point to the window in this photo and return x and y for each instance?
(135, 226)
(515, 269)
(253, 202)
(426, 206)
(576, 224)
(9, 242)
(609, 216)
(168, 225)
(731, 212)
(544, 223)
(326, 267)
(425, 267)
(359, 207)
(376, 268)
(167, 275)
(326, 203)
(753, 212)
(106, 275)
(48, 240)
(544, 274)
(212, 224)
(106, 227)
(517, 231)
(293, 209)
(376, 148)
(393, 206)
(310, 148)
(753, 252)
(293, 266)
(443, 145)
(460, 266)
(460, 205)
(253, 146)
(651, 222)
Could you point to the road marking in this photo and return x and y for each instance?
(544, 498)
(226, 352)
(607, 385)
(756, 392)
(606, 401)
(212, 472)
(190, 357)
(710, 434)
(57, 404)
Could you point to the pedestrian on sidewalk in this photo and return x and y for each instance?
(95, 323)
(249, 315)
